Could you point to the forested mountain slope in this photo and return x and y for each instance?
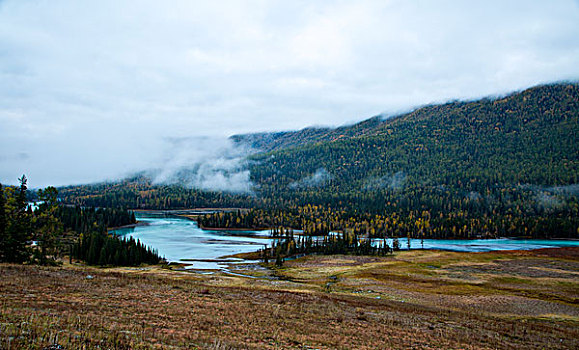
(266, 142)
(525, 138)
(504, 166)
(555, 97)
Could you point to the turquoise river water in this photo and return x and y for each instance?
(181, 240)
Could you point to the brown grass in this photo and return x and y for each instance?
(426, 300)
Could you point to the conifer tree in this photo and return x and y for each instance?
(17, 230)
(3, 237)
(48, 226)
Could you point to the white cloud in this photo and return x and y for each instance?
(90, 89)
(208, 163)
(395, 182)
(320, 178)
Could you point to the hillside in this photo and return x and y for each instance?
(491, 167)
(525, 138)
(555, 97)
(267, 142)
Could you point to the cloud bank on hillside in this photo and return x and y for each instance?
(90, 90)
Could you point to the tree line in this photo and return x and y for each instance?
(488, 168)
(426, 223)
(287, 245)
(51, 230)
(101, 249)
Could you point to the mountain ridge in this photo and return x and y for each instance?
(486, 168)
(525, 130)
(273, 141)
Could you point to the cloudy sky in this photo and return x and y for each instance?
(91, 90)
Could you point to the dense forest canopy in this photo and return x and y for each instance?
(45, 234)
(504, 166)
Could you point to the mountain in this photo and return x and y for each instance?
(529, 137)
(552, 98)
(491, 167)
(266, 142)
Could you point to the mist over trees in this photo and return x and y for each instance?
(489, 168)
(481, 169)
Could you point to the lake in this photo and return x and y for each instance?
(181, 240)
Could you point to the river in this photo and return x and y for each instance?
(181, 240)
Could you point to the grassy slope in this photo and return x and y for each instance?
(428, 299)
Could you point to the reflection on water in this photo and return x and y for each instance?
(181, 240)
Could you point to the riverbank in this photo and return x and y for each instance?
(194, 213)
(414, 299)
(189, 211)
(137, 224)
(178, 238)
(232, 229)
(195, 217)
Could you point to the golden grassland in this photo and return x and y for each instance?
(417, 299)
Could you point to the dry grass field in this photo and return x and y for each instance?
(412, 300)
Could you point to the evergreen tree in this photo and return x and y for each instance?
(3, 237)
(48, 227)
(17, 231)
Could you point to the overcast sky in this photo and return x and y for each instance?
(91, 90)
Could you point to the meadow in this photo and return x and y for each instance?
(414, 299)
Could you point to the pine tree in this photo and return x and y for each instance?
(48, 226)
(93, 250)
(3, 237)
(103, 256)
(17, 230)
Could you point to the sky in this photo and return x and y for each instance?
(94, 90)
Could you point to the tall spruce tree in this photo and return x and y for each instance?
(17, 231)
(48, 227)
(3, 237)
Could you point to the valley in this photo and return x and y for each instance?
(271, 175)
(476, 183)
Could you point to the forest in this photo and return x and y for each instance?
(495, 167)
(52, 230)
